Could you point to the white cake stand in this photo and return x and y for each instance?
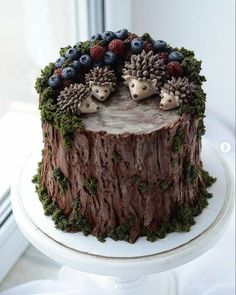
(126, 268)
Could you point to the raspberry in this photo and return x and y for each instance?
(174, 69)
(58, 71)
(97, 52)
(164, 55)
(148, 46)
(117, 46)
(131, 36)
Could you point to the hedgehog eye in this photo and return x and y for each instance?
(169, 100)
(105, 90)
(87, 105)
(144, 87)
(132, 85)
(96, 90)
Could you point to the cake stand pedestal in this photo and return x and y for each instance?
(118, 267)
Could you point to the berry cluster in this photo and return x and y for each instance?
(110, 49)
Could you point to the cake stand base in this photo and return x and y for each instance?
(157, 284)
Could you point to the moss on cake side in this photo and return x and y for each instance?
(183, 218)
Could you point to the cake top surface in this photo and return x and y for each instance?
(121, 114)
(120, 82)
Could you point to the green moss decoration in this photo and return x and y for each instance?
(163, 185)
(201, 129)
(116, 157)
(101, 237)
(60, 179)
(75, 222)
(142, 185)
(208, 180)
(135, 179)
(47, 94)
(66, 123)
(182, 220)
(42, 81)
(178, 140)
(191, 174)
(90, 185)
(84, 47)
(122, 231)
(195, 105)
(67, 63)
(147, 37)
(192, 67)
(63, 50)
(36, 177)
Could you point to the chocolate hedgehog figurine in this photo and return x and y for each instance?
(144, 74)
(175, 92)
(101, 81)
(76, 99)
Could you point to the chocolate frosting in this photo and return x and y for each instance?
(123, 146)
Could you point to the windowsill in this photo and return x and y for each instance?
(20, 133)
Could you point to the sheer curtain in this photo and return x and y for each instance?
(31, 33)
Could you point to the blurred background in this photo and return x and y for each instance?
(31, 34)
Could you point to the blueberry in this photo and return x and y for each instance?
(68, 73)
(72, 53)
(76, 64)
(108, 36)
(122, 34)
(137, 45)
(95, 37)
(59, 62)
(110, 58)
(160, 45)
(86, 60)
(54, 81)
(175, 56)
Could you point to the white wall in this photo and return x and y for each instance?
(205, 26)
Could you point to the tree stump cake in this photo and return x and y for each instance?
(127, 167)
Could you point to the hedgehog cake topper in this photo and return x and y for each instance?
(144, 74)
(175, 92)
(101, 81)
(76, 99)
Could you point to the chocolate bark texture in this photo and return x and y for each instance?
(119, 179)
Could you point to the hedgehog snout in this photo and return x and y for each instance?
(135, 95)
(102, 97)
